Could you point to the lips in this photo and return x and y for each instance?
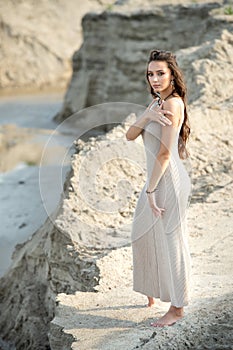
(155, 86)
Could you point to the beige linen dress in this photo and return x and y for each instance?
(161, 259)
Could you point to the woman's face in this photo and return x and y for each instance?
(159, 76)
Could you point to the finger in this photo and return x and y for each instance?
(167, 121)
(164, 111)
(160, 122)
(160, 118)
(161, 211)
(156, 212)
(164, 121)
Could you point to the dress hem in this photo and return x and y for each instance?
(161, 299)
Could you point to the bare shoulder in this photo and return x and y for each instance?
(176, 106)
(174, 102)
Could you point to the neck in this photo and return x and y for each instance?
(165, 95)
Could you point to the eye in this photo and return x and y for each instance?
(160, 74)
(149, 74)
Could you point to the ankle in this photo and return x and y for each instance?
(151, 301)
(178, 311)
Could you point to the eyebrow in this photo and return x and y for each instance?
(159, 70)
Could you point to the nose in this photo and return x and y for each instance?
(155, 78)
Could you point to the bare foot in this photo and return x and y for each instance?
(151, 302)
(174, 314)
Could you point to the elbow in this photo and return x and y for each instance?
(165, 156)
(129, 137)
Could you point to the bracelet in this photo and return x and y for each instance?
(156, 189)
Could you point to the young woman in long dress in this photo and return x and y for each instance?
(161, 259)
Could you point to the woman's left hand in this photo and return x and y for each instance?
(156, 210)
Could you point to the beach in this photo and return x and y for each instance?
(26, 126)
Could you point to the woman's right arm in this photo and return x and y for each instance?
(156, 114)
(136, 129)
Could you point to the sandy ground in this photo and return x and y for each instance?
(116, 317)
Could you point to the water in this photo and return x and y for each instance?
(28, 194)
(31, 111)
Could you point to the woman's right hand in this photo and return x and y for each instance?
(157, 114)
(153, 113)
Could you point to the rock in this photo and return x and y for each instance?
(79, 249)
(109, 70)
(208, 169)
(61, 255)
(210, 58)
(67, 254)
(126, 322)
(44, 48)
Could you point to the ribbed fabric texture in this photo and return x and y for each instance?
(161, 258)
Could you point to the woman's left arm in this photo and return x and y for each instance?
(163, 157)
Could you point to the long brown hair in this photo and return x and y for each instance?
(179, 89)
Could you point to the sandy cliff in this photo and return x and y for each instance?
(73, 250)
(61, 256)
(38, 40)
(108, 68)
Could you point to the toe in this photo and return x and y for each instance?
(156, 324)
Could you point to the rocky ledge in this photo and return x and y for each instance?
(79, 247)
(110, 65)
(76, 269)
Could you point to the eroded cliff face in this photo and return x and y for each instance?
(38, 39)
(41, 267)
(100, 194)
(93, 217)
(111, 63)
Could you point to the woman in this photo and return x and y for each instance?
(161, 259)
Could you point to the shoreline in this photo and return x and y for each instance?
(22, 148)
(24, 92)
